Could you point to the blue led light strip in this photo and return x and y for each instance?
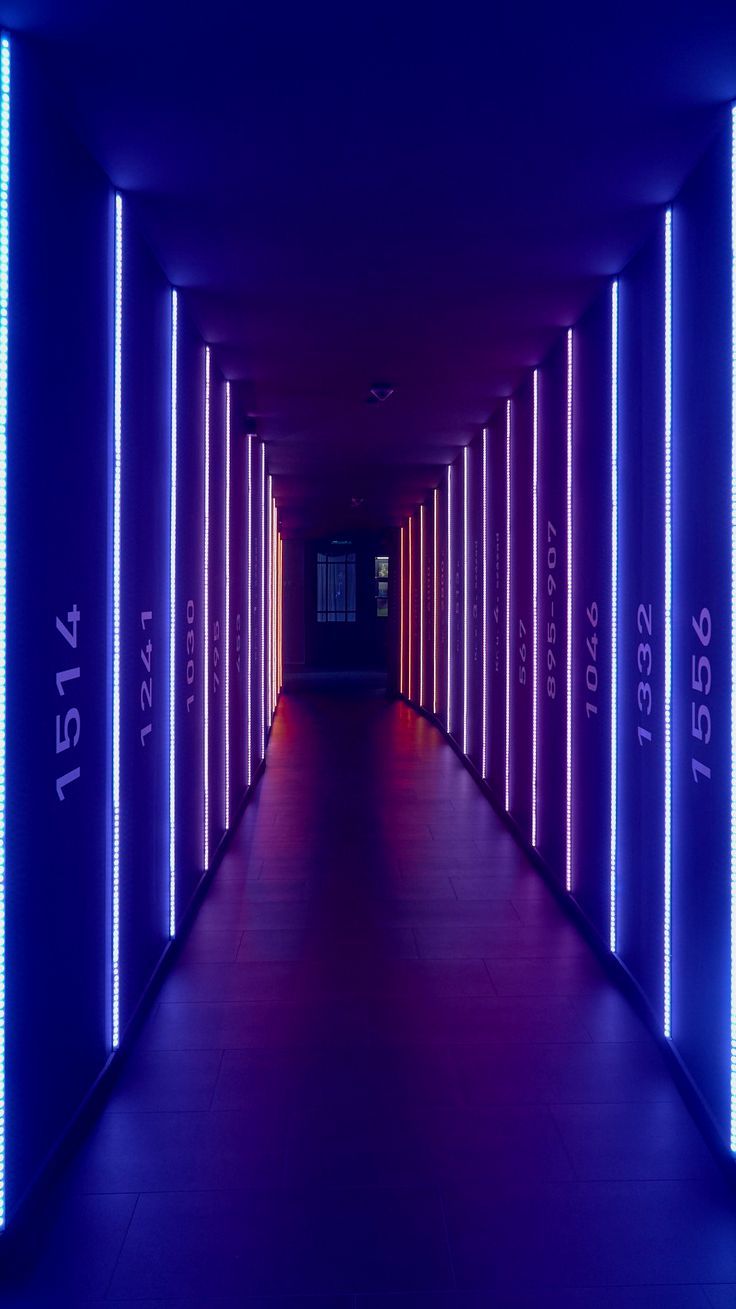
(249, 620)
(568, 652)
(172, 609)
(448, 597)
(466, 594)
(614, 612)
(667, 934)
(507, 789)
(206, 619)
(535, 599)
(4, 285)
(117, 432)
(484, 641)
(227, 606)
(733, 629)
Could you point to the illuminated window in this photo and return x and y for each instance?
(336, 588)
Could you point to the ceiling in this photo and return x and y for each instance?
(417, 194)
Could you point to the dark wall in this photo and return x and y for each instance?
(72, 875)
(602, 718)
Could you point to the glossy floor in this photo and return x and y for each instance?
(385, 1071)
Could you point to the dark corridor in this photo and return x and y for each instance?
(386, 1071)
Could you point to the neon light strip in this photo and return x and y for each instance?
(508, 606)
(421, 605)
(262, 515)
(435, 606)
(667, 989)
(249, 619)
(227, 606)
(117, 427)
(268, 511)
(410, 606)
(484, 539)
(733, 628)
(568, 661)
(614, 603)
(466, 592)
(535, 600)
(206, 618)
(449, 598)
(281, 613)
(401, 617)
(4, 340)
(172, 609)
(275, 624)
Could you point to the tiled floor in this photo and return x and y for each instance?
(385, 1072)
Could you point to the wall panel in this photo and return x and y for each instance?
(552, 611)
(701, 687)
(591, 781)
(520, 790)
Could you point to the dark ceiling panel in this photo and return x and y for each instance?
(418, 194)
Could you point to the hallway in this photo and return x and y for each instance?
(385, 1071)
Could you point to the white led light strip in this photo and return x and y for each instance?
(507, 791)
(206, 618)
(568, 652)
(227, 606)
(435, 606)
(116, 527)
(484, 635)
(535, 601)
(4, 334)
(667, 942)
(448, 599)
(172, 610)
(421, 606)
(249, 619)
(268, 511)
(733, 629)
(466, 599)
(614, 611)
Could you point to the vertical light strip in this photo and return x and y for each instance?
(117, 426)
(568, 652)
(421, 606)
(4, 339)
(466, 598)
(281, 614)
(410, 608)
(249, 618)
(507, 793)
(206, 619)
(535, 600)
(172, 607)
(263, 688)
(614, 607)
(401, 617)
(227, 606)
(269, 511)
(448, 600)
(733, 628)
(667, 942)
(484, 635)
(435, 606)
(275, 621)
